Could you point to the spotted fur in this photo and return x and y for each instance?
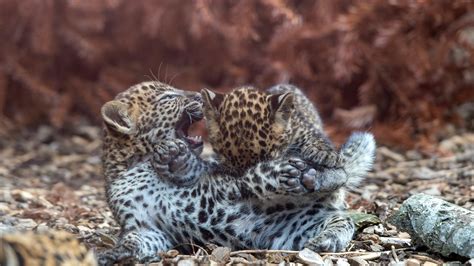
(247, 126)
(45, 248)
(163, 195)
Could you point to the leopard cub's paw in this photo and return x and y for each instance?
(168, 150)
(292, 174)
(327, 243)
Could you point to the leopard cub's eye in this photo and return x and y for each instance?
(168, 96)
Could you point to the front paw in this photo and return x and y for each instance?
(293, 174)
(175, 162)
(169, 150)
(328, 243)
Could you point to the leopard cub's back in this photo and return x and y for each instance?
(45, 248)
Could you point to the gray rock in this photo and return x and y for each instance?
(441, 226)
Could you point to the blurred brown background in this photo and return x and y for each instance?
(402, 69)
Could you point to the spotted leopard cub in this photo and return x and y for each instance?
(247, 126)
(163, 195)
(45, 248)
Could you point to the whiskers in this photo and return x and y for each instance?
(157, 77)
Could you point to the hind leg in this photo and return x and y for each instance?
(337, 231)
(140, 245)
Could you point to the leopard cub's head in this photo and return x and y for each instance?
(146, 114)
(246, 125)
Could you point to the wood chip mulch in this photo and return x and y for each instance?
(51, 179)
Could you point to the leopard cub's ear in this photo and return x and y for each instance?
(282, 104)
(117, 117)
(212, 99)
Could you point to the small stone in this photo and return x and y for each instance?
(328, 261)
(22, 196)
(26, 224)
(42, 228)
(221, 254)
(187, 262)
(413, 155)
(70, 228)
(375, 229)
(342, 262)
(404, 235)
(4, 207)
(376, 247)
(379, 229)
(41, 201)
(369, 230)
(397, 263)
(413, 262)
(433, 191)
(310, 257)
(172, 253)
(424, 173)
(84, 228)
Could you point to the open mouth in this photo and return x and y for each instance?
(182, 128)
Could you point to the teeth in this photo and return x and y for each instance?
(195, 138)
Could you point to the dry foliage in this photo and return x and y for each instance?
(405, 64)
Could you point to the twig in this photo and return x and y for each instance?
(370, 256)
(198, 253)
(395, 254)
(263, 251)
(361, 252)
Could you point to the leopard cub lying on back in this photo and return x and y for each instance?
(247, 126)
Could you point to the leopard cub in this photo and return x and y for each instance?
(247, 126)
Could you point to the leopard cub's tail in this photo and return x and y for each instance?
(359, 155)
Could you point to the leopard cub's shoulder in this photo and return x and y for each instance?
(45, 248)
